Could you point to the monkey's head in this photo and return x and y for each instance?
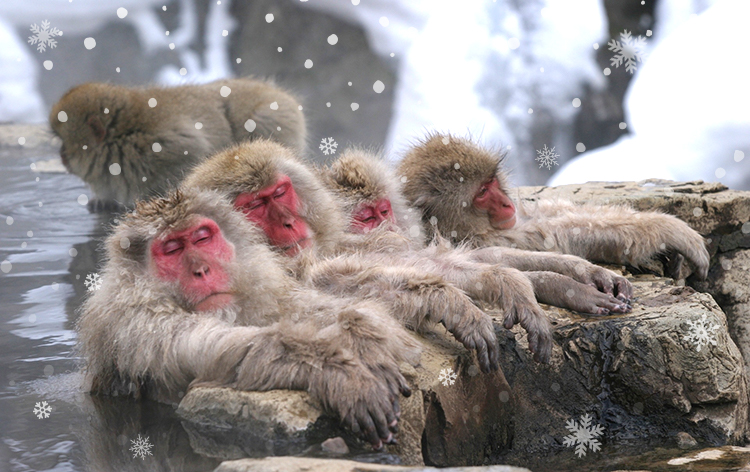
(190, 247)
(459, 187)
(276, 191)
(371, 194)
(91, 119)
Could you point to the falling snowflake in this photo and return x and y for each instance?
(44, 36)
(701, 333)
(141, 447)
(547, 157)
(447, 376)
(328, 146)
(93, 282)
(584, 435)
(42, 410)
(630, 50)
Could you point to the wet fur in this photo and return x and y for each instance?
(125, 135)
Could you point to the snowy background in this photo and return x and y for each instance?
(514, 75)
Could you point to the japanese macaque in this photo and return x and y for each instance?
(129, 143)
(192, 295)
(462, 192)
(371, 193)
(300, 217)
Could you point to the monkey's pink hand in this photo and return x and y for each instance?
(605, 281)
(587, 299)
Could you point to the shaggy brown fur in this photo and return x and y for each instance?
(360, 177)
(416, 297)
(111, 124)
(139, 335)
(444, 172)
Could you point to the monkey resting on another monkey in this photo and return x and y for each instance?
(462, 190)
(130, 143)
(193, 295)
(371, 193)
(275, 190)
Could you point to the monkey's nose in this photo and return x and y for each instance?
(201, 271)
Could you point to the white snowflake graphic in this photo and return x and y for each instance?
(44, 36)
(547, 157)
(42, 410)
(701, 333)
(584, 435)
(141, 447)
(93, 282)
(328, 146)
(630, 50)
(447, 376)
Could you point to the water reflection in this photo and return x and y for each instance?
(50, 243)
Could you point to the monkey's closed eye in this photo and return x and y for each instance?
(203, 235)
(172, 247)
(280, 192)
(253, 205)
(368, 219)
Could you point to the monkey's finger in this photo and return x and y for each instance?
(624, 289)
(396, 410)
(674, 266)
(369, 431)
(483, 357)
(381, 424)
(494, 354)
(390, 417)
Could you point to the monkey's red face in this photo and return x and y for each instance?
(369, 216)
(275, 209)
(196, 259)
(499, 207)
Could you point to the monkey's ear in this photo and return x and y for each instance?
(97, 127)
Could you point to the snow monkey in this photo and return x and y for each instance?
(462, 190)
(300, 217)
(370, 191)
(129, 143)
(193, 295)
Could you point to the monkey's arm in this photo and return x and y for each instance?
(610, 234)
(496, 285)
(415, 297)
(575, 267)
(560, 290)
(303, 356)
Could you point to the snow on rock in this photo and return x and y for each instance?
(687, 108)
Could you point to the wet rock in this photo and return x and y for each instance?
(719, 214)
(295, 464)
(458, 424)
(639, 375)
(685, 441)
(335, 446)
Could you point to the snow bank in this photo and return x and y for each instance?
(687, 108)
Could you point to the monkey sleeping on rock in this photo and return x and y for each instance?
(192, 295)
(462, 191)
(371, 193)
(301, 218)
(128, 143)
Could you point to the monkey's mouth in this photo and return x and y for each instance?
(215, 301)
(507, 223)
(294, 249)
